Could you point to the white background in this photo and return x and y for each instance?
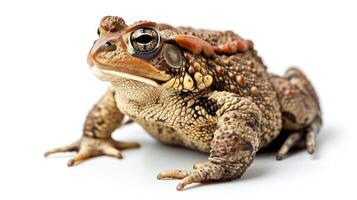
(46, 90)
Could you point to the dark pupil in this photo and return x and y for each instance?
(144, 39)
(98, 31)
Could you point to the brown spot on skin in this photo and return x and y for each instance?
(203, 71)
(230, 74)
(186, 56)
(254, 90)
(220, 69)
(262, 107)
(197, 66)
(231, 47)
(241, 81)
(241, 46)
(233, 88)
(235, 46)
(287, 92)
(191, 70)
(290, 92)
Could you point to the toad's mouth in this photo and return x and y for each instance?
(138, 71)
(110, 75)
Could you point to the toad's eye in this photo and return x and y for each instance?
(98, 32)
(145, 42)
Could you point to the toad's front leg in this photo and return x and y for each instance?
(233, 147)
(101, 121)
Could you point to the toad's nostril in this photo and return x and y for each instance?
(109, 46)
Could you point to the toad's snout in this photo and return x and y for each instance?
(111, 53)
(100, 45)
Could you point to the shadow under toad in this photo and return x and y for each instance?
(160, 157)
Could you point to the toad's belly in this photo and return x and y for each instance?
(196, 138)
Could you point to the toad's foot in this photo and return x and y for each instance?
(88, 147)
(201, 173)
(305, 138)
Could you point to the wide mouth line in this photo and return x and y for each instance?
(102, 72)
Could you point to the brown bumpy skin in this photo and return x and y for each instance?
(233, 145)
(204, 90)
(300, 109)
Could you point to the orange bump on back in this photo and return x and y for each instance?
(194, 44)
(234, 47)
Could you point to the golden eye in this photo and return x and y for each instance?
(173, 55)
(145, 42)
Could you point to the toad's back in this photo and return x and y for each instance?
(238, 69)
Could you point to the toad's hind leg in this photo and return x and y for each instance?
(300, 110)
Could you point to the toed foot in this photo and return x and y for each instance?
(201, 172)
(89, 147)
